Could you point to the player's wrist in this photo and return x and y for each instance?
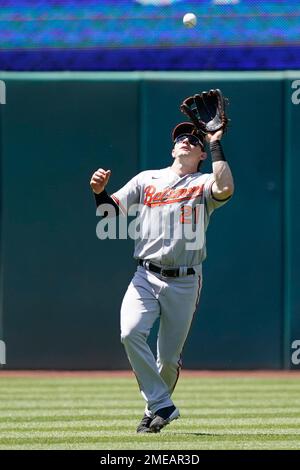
(214, 139)
(216, 151)
(99, 191)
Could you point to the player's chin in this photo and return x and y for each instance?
(184, 153)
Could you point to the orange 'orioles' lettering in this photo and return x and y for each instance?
(149, 192)
(170, 196)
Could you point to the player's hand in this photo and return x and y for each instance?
(99, 180)
(211, 137)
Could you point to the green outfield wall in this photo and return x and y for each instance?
(62, 287)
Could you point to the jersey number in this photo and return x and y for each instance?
(189, 214)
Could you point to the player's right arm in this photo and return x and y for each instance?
(99, 180)
(122, 199)
(98, 183)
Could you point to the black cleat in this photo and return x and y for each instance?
(163, 417)
(144, 424)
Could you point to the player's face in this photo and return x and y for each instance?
(188, 145)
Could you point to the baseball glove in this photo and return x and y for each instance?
(206, 111)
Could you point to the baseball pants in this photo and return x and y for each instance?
(174, 301)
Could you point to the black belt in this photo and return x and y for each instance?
(164, 272)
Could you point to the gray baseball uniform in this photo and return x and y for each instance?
(167, 203)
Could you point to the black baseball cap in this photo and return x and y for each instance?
(186, 128)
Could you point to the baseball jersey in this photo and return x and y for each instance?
(172, 214)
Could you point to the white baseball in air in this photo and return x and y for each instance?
(189, 20)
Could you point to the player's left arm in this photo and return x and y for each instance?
(223, 186)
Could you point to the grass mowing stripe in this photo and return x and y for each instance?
(254, 421)
(119, 425)
(41, 392)
(109, 413)
(105, 436)
(129, 386)
(180, 439)
(185, 421)
(267, 445)
(102, 438)
(213, 393)
(201, 401)
(114, 383)
(205, 404)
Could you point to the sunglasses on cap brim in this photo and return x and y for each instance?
(193, 139)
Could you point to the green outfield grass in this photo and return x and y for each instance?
(102, 413)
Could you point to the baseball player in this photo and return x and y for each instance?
(168, 279)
